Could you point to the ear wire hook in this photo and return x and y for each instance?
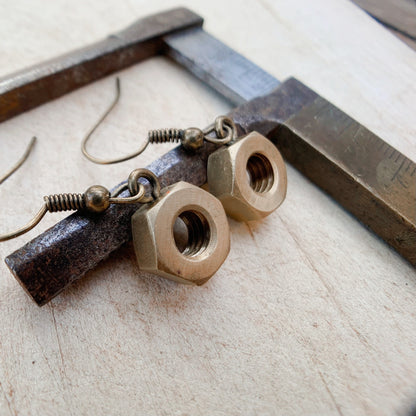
(96, 125)
(96, 199)
(191, 138)
(20, 161)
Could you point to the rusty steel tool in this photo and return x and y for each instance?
(26, 89)
(363, 173)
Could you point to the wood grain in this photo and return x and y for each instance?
(397, 14)
(310, 314)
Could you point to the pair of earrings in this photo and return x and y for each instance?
(246, 180)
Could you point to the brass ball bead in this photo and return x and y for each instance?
(193, 139)
(97, 198)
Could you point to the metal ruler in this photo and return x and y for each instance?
(362, 172)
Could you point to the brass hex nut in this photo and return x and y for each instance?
(208, 238)
(248, 177)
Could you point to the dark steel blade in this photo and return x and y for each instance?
(216, 64)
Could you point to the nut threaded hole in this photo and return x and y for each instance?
(260, 173)
(191, 233)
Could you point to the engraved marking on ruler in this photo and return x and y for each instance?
(408, 165)
(398, 170)
(350, 122)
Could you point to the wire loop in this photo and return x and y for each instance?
(224, 129)
(20, 161)
(134, 185)
(94, 128)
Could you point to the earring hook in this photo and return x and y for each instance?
(192, 138)
(20, 161)
(96, 199)
(96, 125)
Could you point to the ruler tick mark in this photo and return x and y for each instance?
(349, 123)
(354, 137)
(408, 165)
(397, 171)
(392, 153)
(322, 109)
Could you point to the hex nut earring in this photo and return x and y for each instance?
(208, 237)
(248, 177)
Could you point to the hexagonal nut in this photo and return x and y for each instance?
(208, 237)
(248, 177)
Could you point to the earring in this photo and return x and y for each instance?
(248, 177)
(158, 250)
(191, 138)
(201, 216)
(247, 174)
(20, 162)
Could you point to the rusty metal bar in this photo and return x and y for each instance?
(44, 82)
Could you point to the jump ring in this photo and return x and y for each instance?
(134, 198)
(224, 128)
(222, 122)
(134, 185)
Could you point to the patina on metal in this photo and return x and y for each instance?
(20, 162)
(248, 177)
(96, 199)
(366, 175)
(49, 263)
(206, 247)
(191, 138)
(26, 89)
(361, 171)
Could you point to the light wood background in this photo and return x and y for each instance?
(310, 314)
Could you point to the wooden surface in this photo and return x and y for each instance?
(399, 16)
(310, 314)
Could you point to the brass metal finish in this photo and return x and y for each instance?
(248, 177)
(224, 128)
(359, 170)
(208, 240)
(64, 202)
(191, 139)
(36, 219)
(94, 128)
(20, 161)
(368, 177)
(96, 199)
(134, 185)
(165, 136)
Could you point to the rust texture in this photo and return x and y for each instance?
(367, 176)
(65, 252)
(306, 128)
(41, 83)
